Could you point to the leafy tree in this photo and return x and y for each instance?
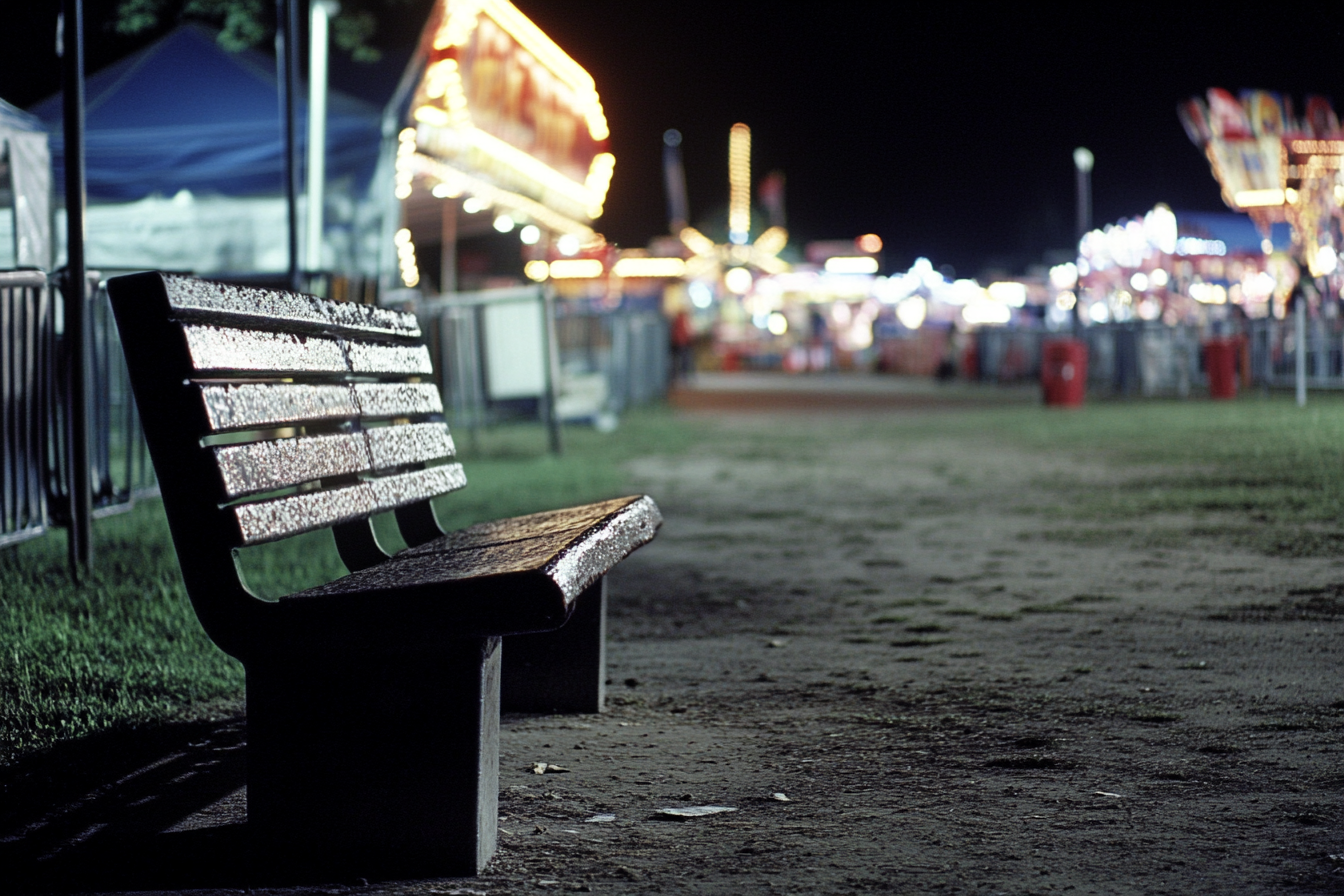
(246, 23)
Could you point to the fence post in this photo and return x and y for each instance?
(1300, 349)
(75, 293)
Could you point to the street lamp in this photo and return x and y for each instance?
(1082, 162)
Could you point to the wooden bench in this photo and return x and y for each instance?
(372, 701)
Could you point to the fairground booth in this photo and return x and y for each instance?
(502, 166)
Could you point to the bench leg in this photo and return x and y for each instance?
(564, 670)
(375, 766)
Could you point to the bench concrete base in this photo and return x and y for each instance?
(563, 670)
(380, 766)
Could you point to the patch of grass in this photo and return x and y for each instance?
(125, 647)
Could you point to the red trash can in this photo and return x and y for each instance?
(1220, 363)
(1064, 372)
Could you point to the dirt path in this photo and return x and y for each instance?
(953, 690)
(954, 694)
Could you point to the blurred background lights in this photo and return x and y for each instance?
(911, 312)
(1139, 281)
(410, 273)
(858, 264)
(738, 280)
(530, 235)
(1064, 276)
(1098, 313)
(503, 223)
(536, 270)
(1065, 301)
(567, 244)
(777, 323)
(575, 268)
(1324, 262)
(473, 204)
(701, 295)
(1158, 278)
(1008, 292)
(869, 242)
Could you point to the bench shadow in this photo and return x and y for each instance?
(154, 808)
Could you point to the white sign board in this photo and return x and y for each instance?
(515, 348)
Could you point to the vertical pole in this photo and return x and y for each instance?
(318, 18)
(552, 366)
(75, 292)
(448, 249)
(1300, 347)
(286, 78)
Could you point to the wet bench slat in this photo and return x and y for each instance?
(268, 405)
(231, 350)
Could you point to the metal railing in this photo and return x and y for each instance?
(599, 361)
(28, 399)
(35, 481)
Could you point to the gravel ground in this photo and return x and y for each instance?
(897, 674)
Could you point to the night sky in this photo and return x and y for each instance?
(947, 131)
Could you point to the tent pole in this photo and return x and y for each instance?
(75, 290)
(319, 15)
(287, 81)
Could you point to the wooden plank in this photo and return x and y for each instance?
(391, 492)
(278, 518)
(261, 405)
(372, 358)
(265, 466)
(570, 559)
(398, 399)
(226, 349)
(400, 446)
(233, 350)
(245, 306)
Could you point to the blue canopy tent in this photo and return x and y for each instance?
(185, 120)
(183, 113)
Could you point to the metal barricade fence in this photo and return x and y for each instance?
(602, 360)
(35, 488)
(1123, 359)
(27, 392)
(1273, 351)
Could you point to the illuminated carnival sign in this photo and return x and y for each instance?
(502, 113)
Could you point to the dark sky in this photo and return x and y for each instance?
(948, 129)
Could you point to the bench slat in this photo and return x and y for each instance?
(572, 557)
(260, 405)
(399, 446)
(263, 405)
(266, 466)
(391, 492)
(278, 518)
(244, 306)
(398, 399)
(282, 517)
(230, 349)
(371, 358)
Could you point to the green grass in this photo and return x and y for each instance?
(125, 648)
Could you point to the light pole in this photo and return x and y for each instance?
(1082, 163)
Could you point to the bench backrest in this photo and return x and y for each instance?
(269, 414)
